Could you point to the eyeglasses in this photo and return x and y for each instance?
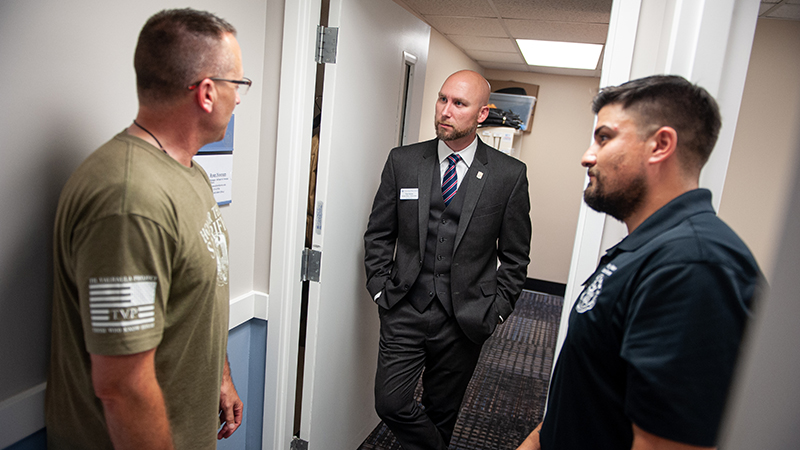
(242, 85)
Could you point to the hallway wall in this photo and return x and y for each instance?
(765, 145)
(69, 86)
(559, 135)
(765, 403)
(247, 350)
(444, 58)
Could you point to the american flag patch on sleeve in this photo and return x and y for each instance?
(122, 304)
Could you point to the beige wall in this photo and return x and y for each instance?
(561, 132)
(764, 146)
(444, 58)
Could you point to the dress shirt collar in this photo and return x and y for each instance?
(467, 154)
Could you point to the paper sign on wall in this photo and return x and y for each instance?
(217, 160)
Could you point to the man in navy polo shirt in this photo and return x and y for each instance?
(654, 336)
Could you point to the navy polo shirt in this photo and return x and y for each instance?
(654, 336)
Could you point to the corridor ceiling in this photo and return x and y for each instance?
(486, 30)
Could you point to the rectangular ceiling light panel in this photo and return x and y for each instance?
(569, 55)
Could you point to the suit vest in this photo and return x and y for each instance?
(434, 277)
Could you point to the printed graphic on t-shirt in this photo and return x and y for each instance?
(122, 304)
(213, 233)
(589, 295)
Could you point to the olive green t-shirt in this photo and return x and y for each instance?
(140, 262)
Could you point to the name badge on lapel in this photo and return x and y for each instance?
(409, 194)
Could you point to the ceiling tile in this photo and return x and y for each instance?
(593, 33)
(501, 57)
(476, 26)
(504, 66)
(483, 43)
(475, 8)
(762, 8)
(587, 11)
(786, 11)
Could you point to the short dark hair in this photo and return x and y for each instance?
(176, 48)
(670, 100)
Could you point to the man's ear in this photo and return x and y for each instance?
(664, 143)
(205, 95)
(483, 114)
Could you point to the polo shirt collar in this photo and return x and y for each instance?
(696, 201)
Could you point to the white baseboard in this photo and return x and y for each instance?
(23, 414)
(252, 305)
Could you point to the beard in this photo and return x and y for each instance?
(455, 133)
(620, 204)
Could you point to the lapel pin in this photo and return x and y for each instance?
(480, 175)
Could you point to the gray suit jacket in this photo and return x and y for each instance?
(494, 226)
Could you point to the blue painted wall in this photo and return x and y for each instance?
(36, 441)
(247, 350)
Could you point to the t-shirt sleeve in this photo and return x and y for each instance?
(681, 340)
(122, 270)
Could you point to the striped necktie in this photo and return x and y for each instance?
(450, 181)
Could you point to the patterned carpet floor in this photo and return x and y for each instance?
(505, 399)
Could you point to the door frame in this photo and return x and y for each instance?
(292, 160)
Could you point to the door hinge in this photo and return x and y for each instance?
(326, 45)
(310, 262)
(298, 444)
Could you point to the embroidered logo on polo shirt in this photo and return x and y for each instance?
(122, 304)
(589, 295)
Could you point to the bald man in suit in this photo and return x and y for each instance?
(446, 255)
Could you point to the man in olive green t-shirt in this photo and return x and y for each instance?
(140, 303)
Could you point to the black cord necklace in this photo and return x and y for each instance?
(151, 134)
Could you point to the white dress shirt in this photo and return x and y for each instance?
(467, 155)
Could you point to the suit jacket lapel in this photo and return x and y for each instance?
(424, 181)
(477, 174)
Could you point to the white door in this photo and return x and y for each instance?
(361, 114)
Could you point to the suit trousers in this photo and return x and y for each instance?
(411, 341)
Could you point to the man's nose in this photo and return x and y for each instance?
(446, 109)
(589, 157)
